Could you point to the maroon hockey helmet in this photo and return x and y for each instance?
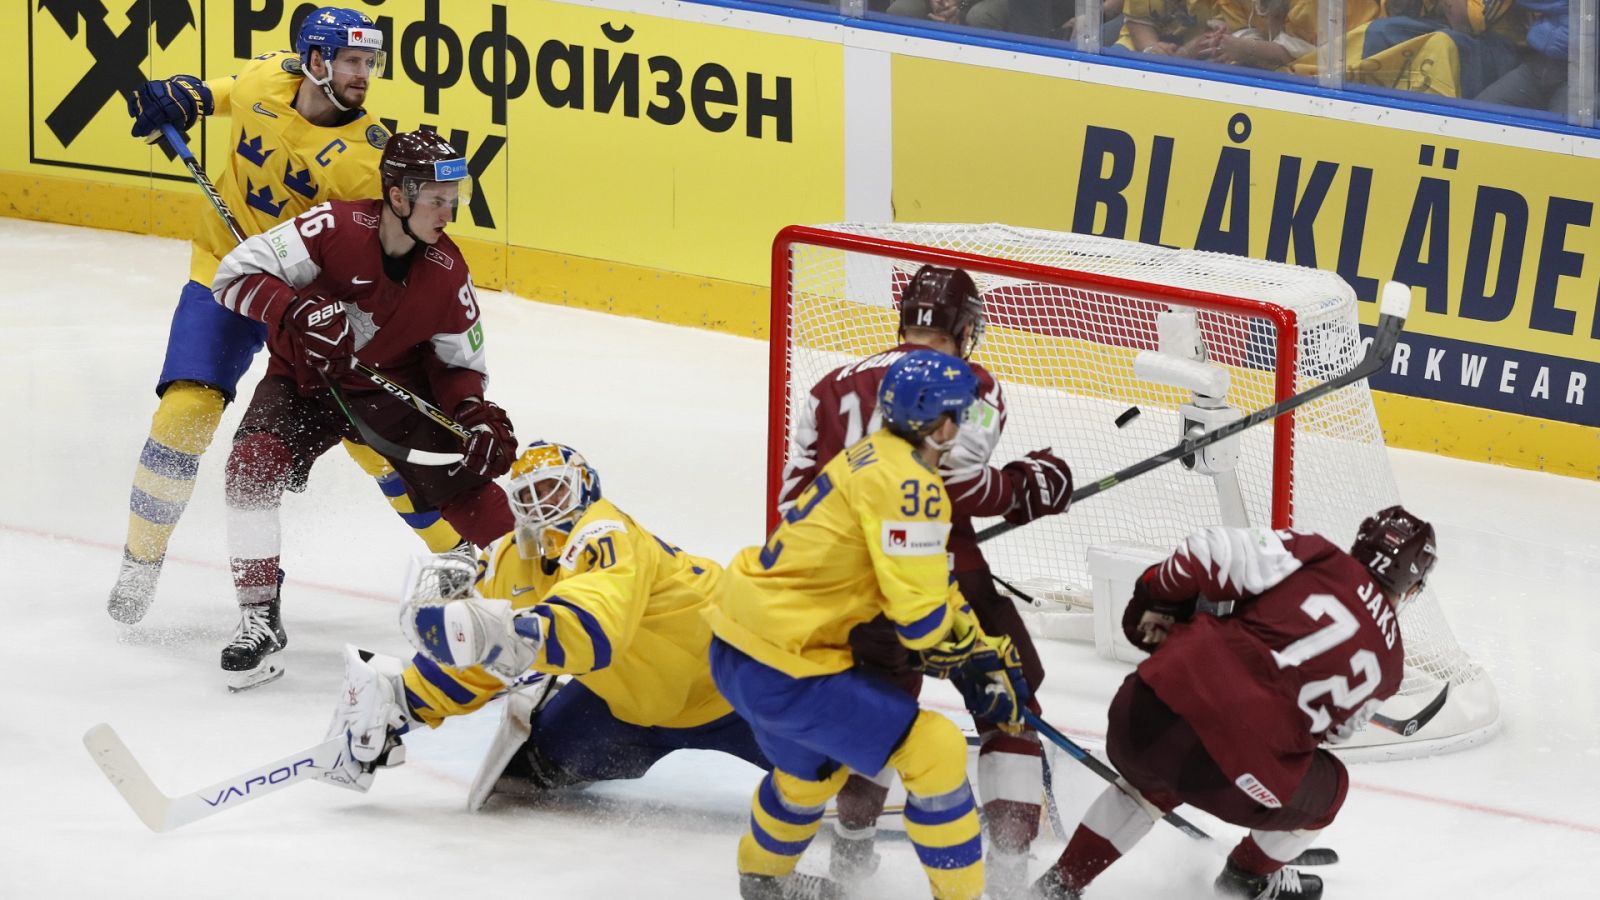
(944, 298)
(1397, 548)
(414, 158)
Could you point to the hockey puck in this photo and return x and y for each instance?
(1129, 415)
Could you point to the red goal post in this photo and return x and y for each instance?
(1067, 315)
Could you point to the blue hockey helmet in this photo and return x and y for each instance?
(922, 386)
(331, 29)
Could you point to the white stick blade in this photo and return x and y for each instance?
(127, 776)
(430, 458)
(1396, 300)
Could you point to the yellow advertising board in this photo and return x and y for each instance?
(1501, 245)
(618, 157)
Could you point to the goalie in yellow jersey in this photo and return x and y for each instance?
(298, 137)
(579, 589)
(867, 537)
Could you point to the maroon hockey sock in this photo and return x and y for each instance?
(481, 515)
(1250, 857)
(860, 802)
(1087, 855)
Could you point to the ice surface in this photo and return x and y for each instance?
(675, 420)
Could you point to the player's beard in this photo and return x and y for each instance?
(352, 95)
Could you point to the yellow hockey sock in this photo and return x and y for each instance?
(430, 526)
(784, 816)
(941, 816)
(180, 431)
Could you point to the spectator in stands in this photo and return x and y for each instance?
(991, 14)
(1483, 33)
(1540, 80)
(1278, 33)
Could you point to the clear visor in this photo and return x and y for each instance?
(355, 63)
(426, 195)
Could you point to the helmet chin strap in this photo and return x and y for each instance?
(405, 220)
(326, 83)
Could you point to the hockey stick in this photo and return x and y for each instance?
(376, 441)
(160, 812)
(1408, 727)
(1396, 305)
(1315, 856)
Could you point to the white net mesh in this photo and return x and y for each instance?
(1064, 352)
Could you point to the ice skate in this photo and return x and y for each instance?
(135, 589)
(1049, 886)
(1285, 884)
(851, 860)
(1005, 875)
(793, 886)
(251, 658)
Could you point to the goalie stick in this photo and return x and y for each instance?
(1315, 856)
(161, 812)
(1395, 307)
(376, 441)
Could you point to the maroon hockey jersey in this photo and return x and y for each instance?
(422, 331)
(1303, 647)
(842, 408)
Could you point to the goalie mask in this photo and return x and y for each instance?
(551, 487)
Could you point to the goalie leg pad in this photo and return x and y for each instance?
(510, 741)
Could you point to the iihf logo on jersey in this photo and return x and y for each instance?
(75, 84)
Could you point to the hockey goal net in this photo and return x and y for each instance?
(1066, 316)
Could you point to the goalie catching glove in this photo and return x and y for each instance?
(371, 715)
(450, 624)
(987, 670)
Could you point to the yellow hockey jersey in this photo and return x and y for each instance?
(280, 165)
(622, 612)
(867, 536)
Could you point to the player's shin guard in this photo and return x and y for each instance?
(941, 815)
(784, 816)
(429, 525)
(258, 468)
(180, 431)
(1115, 822)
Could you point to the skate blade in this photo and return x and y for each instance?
(269, 670)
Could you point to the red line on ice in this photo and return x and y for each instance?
(200, 563)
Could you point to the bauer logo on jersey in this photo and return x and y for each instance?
(914, 538)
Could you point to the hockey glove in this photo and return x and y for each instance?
(492, 444)
(991, 682)
(1147, 621)
(371, 715)
(320, 329)
(179, 101)
(473, 631)
(1044, 486)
